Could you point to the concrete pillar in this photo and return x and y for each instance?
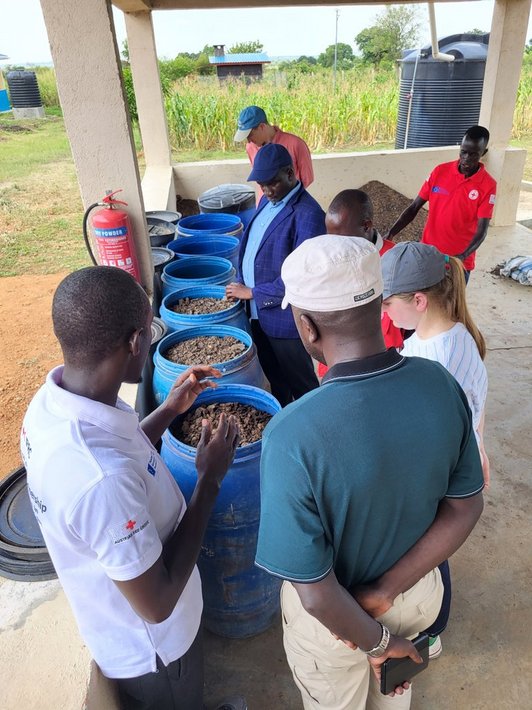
(505, 56)
(88, 70)
(158, 184)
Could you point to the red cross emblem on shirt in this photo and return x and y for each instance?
(130, 524)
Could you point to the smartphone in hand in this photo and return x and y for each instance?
(395, 671)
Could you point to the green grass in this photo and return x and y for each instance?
(28, 144)
(40, 206)
(526, 143)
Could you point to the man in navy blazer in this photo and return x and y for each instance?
(285, 217)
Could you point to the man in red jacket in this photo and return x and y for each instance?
(350, 214)
(461, 197)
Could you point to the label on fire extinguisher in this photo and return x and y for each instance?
(120, 232)
(113, 248)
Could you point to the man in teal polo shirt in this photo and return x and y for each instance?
(344, 503)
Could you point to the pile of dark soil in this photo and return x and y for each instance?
(251, 421)
(15, 128)
(186, 207)
(206, 349)
(200, 306)
(387, 206)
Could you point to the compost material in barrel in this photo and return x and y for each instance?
(205, 349)
(251, 421)
(200, 306)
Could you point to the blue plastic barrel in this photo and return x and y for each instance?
(244, 369)
(229, 199)
(240, 600)
(201, 271)
(199, 224)
(234, 315)
(207, 245)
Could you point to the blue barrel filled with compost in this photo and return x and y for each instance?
(230, 199)
(207, 245)
(202, 305)
(200, 224)
(240, 600)
(228, 349)
(201, 271)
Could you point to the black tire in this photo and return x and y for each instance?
(23, 553)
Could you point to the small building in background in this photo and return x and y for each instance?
(241, 66)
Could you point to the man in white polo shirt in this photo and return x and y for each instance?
(121, 538)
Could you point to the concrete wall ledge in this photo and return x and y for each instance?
(402, 170)
(526, 186)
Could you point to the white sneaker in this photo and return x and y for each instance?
(435, 647)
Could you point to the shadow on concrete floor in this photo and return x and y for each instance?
(487, 658)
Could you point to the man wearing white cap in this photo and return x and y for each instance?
(343, 505)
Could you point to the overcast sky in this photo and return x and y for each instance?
(287, 31)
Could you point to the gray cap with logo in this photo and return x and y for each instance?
(411, 266)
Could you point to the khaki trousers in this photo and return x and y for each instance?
(329, 675)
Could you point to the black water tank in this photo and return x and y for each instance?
(23, 89)
(446, 95)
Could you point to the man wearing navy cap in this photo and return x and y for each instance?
(254, 128)
(286, 216)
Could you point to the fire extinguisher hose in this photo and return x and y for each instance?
(85, 233)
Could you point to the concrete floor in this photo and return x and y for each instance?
(487, 660)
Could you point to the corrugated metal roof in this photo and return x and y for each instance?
(252, 58)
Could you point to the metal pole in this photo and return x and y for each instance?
(335, 51)
(410, 100)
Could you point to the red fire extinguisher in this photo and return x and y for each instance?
(112, 235)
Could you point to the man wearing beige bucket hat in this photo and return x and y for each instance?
(341, 504)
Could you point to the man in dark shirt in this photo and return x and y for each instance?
(345, 503)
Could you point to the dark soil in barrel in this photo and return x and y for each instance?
(200, 306)
(206, 349)
(387, 206)
(251, 421)
(186, 207)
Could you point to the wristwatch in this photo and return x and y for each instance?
(381, 647)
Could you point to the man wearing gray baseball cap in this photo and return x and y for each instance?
(342, 505)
